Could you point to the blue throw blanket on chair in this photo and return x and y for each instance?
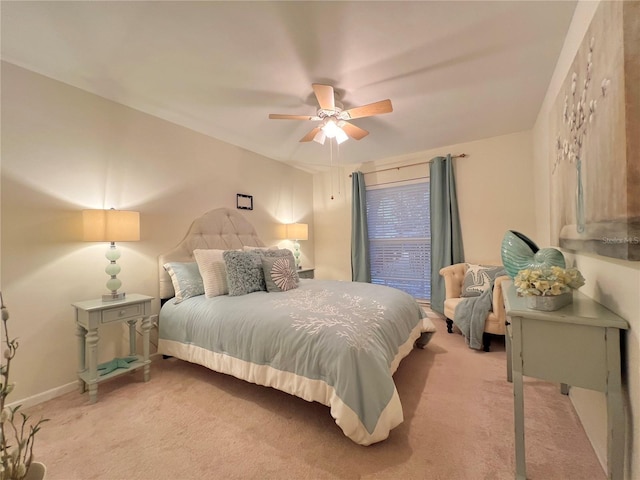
(470, 316)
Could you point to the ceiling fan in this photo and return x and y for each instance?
(333, 118)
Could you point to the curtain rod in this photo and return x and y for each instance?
(462, 155)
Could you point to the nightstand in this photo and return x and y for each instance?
(306, 272)
(90, 316)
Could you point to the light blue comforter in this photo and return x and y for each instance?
(342, 336)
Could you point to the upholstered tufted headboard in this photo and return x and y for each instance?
(222, 228)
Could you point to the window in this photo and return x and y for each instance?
(400, 237)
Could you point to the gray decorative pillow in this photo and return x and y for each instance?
(282, 252)
(279, 273)
(478, 278)
(244, 272)
(186, 279)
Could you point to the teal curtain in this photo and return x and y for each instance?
(446, 234)
(360, 263)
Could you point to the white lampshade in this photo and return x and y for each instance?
(110, 226)
(297, 231)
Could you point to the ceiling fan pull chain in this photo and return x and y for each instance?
(338, 168)
(331, 165)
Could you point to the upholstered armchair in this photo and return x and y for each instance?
(454, 276)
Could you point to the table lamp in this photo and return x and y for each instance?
(111, 226)
(296, 232)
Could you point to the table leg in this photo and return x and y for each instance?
(82, 366)
(507, 344)
(615, 407)
(132, 336)
(92, 347)
(518, 398)
(146, 328)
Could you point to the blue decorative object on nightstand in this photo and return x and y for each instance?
(520, 252)
(112, 365)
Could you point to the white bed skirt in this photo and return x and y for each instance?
(307, 389)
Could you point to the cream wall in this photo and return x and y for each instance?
(63, 150)
(496, 171)
(614, 283)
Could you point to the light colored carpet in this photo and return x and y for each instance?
(190, 423)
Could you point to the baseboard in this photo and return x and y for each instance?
(44, 396)
(53, 393)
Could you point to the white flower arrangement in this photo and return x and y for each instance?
(17, 434)
(547, 281)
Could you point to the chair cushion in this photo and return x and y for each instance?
(493, 324)
(450, 305)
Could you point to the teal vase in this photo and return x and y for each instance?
(519, 252)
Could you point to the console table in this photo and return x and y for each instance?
(578, 345)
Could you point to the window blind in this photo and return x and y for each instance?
(399, 237)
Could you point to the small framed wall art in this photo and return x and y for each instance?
(244, 202)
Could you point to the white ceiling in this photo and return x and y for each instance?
(455, 71)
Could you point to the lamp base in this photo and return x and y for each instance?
(110, 297)
(296, 253)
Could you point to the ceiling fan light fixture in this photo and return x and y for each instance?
(330, 128)
(341, 136)
(320, 137)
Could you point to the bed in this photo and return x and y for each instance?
(333, 342)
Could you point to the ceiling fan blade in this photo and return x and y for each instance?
(354, 132)
(309, 136)
(279, 116)
(376, 108)
(324, 94)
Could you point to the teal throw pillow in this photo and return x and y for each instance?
(186, 279)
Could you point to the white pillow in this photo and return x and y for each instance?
(248, 248)
(213, 272)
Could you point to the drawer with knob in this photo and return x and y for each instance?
(121, 313)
